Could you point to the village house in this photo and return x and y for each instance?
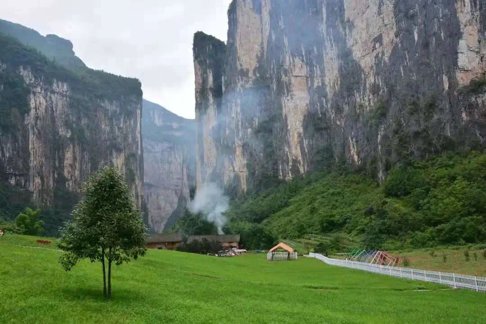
(164, 241)
(226, 241)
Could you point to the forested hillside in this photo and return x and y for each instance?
(439, 201)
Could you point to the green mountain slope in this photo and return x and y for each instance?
(434, 202)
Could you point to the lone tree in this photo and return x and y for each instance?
(105, 226)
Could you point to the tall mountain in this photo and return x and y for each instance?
(61, 121)
(302, 85)
(169, 164)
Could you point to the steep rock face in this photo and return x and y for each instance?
(58, 128)
(306, 84)
(169, 164)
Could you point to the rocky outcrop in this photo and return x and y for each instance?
(169, 165)
(58, 127)
(302, 85)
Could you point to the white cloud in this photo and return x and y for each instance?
(147, 39)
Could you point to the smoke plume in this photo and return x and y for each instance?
(212, 203)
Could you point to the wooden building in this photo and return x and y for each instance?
(227, 241)
(164, 241)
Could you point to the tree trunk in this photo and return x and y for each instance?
(104, 271)
(109, 273)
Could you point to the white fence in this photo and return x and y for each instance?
(281, 256)
(444, 278)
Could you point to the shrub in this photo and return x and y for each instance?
(402, 181)
(28, 222)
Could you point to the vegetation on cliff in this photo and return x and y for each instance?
(51, 59)
(439, 201)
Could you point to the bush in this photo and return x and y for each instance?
(252, 236)
(403, 181)
(194, 224)
(28, 222)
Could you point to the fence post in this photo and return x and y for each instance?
(454, 279)
(476, 283)
(411, 272)
(440, 277)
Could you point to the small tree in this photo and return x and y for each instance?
(28, 222)
(105, 226)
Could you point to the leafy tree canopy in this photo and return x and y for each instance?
(105, 226)
(28, 222)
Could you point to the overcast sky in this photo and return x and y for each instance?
(147, 39)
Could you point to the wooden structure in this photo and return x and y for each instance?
(281, 252)
(164, 241)
(374, 257)
(226, 241)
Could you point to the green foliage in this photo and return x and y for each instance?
(194, 224)
(8, 226)
(252, 236)
(476, 86)
(84, 81)
(12, 200)
(422, 204)
(105, 226)
(335, 244)
(402, 181)
(13, 101)
(28, 222)
(203, 247)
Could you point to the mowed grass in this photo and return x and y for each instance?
(173, 287)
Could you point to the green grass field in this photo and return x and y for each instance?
(454, 261)
(167, 287)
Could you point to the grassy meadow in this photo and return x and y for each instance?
(174, 287)
(448, 259)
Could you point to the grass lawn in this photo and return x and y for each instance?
(167, 287)
(455, 260)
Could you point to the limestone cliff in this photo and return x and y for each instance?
(60, 123)
(302, 85)
(169, 164)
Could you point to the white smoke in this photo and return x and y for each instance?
(211, 201)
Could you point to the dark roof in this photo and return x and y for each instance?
(165, 238)
(215, 238)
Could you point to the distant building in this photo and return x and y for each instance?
(280, 252)
(227, 241)
(164, 241)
